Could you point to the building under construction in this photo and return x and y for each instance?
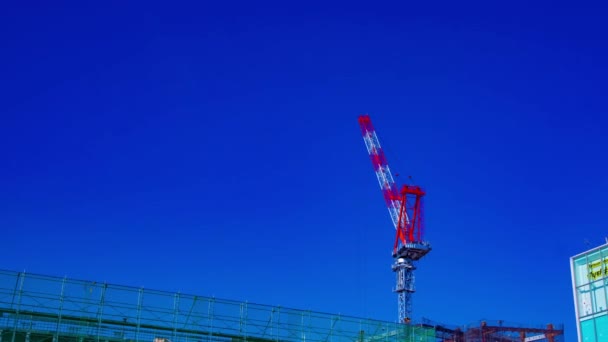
(37, 308)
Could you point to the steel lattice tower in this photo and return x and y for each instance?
(406, 211)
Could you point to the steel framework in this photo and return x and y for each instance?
(497, 331)
(406, 211)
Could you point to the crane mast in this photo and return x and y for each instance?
(405, 207)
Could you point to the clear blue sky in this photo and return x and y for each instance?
(214, 149)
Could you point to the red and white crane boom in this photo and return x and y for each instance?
(405, 209)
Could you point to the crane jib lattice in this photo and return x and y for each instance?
(405, 207)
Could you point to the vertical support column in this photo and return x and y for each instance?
(271, 322)
(243, 321)
(409, 290)
(404, 269)
(18, 291)
(399, 267)
(337, 326)
(302, 334)
(402, 307)
(140, 298)
(210, 318)
(102, 302)
(331, 330)
(175, 313)
(309, 328)
(278, 324)
(60, 314)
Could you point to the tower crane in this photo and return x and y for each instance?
(405, 207)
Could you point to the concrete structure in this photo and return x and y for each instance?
(590, 288)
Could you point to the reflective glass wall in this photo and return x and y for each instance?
(590, 282)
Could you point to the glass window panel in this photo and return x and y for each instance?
(599, 296)
(595, 266)
(580, 271)
(588, 331)
(601, 328)
(585, 306)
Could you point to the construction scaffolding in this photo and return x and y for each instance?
(38, 308)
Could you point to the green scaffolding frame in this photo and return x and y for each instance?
(38, 308)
